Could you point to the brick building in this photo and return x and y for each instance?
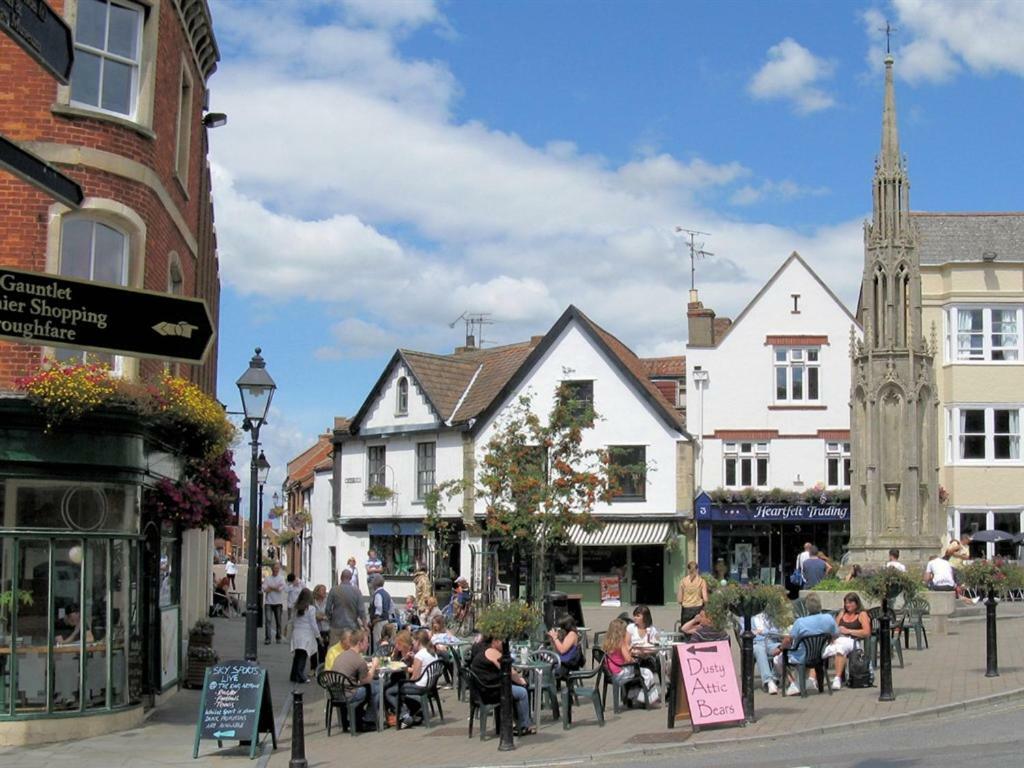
(131, 129)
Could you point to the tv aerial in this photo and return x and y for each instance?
(696, 252)
(474, 322)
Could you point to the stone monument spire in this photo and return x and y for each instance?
(893, 406)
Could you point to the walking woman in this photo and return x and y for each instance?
(305, 634)
(693, 593)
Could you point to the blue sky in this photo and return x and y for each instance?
(389, 165)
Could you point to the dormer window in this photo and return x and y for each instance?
(402, 397)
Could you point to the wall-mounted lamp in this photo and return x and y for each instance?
(215, 119)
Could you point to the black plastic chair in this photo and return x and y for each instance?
(477, 693)
(549, 678)
(913, 619)
(873, 641)
(596, 650)
(338, 692)
(814, 647)
(425, 695)
(573, 690)
(620, 688)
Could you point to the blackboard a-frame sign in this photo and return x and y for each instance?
(235, 705)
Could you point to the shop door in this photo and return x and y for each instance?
(648, 575)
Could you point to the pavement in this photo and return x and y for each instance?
(937, 683)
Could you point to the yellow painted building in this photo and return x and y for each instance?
(972, 282)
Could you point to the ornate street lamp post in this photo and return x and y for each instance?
(262, 473)
(257, 390)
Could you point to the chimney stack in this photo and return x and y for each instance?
(700, 322)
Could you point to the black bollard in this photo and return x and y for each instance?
(991, 650)
(747, 668)
(299, 733)
(506, 743)
(885, 692)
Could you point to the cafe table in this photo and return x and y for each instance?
(384, 675)
(536, 669)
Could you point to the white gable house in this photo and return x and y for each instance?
(768, 401)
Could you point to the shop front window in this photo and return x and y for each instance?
(400, 554)
(600, 562)
(68, 598)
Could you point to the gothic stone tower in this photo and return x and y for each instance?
(895, 486)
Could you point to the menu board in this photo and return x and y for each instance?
(235, 705)
(704, 685)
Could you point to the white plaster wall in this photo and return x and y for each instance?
(382, 413)
(325, 533)
(626, 419)
(741, 382)
(400, 458)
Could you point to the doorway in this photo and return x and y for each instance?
(648, 565)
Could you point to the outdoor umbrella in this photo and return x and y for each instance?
(986, 536)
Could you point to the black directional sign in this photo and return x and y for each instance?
(43, 34)
(37, 172)
(38, 308)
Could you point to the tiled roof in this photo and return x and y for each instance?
(722, 324)
(341, 424)
(496, 366)
(317, 456)
(444, 378)
(948, 237)
(664, 366)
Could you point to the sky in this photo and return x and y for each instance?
(391, 164)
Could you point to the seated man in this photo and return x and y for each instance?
(814, 623)
(334, 651)
(938, 574)
(350, 663)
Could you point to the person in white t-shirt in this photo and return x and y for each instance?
(273, 601)
(351, 565)
(938, 575)
(231, 570)
(292, 589)
(894, 561)
(424, 657)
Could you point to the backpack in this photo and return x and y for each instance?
(858, 671)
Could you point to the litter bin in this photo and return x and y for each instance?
(556, 605)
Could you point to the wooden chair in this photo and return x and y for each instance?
(814, 647)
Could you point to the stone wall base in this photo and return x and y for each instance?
(19, 733)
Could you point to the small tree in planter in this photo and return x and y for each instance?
(507, 621)
(889, 583)
(990, 579)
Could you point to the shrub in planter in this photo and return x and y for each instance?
(985, 576)
(889, 583)
(508, 620)
(734, 599)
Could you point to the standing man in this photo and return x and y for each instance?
(374, 567)
(802, 557)
(380, 608)
(273, 601)
(355, 573)
(814, 569)
(344, 607)
(231, 570)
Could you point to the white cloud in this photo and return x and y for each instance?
(793, 73)
(937, 39)
(393, 13)
(775, 191)
(350, 188)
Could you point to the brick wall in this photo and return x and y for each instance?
(27, 97)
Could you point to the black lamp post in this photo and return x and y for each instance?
(262, 472)
(257, 390)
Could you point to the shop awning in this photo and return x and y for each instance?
(395, 528)
(622, 533)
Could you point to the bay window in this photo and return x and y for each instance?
(983, 334)
(108, 43)
(983, 434)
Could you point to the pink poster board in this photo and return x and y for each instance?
(710, 683)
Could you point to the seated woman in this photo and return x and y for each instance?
(855, 573)
(700, 629)
(642, 631)
(619, 662)
(432, 612)
(565, 640)
(386, 643)
(854, 624)
(402, 647)
(415, 681)
(767, 638)
(70, 630)
(410, 618)
(485, 663)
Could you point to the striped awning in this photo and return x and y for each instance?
(622, 533)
